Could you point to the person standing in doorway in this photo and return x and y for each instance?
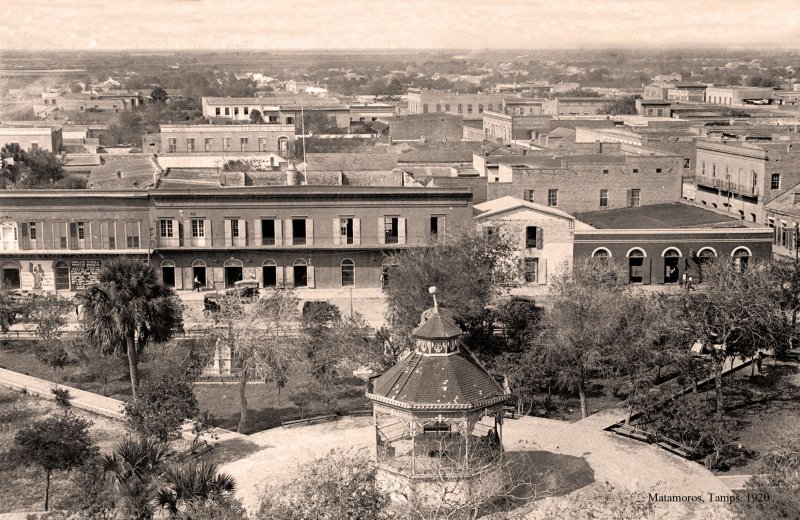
(196, 283)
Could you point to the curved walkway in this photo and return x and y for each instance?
(272, 457)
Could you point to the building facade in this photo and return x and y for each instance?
(468, 106)
(224, 138)
(280, 110)
(39, 138)
(285, 236)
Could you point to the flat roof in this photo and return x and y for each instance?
(658, 216)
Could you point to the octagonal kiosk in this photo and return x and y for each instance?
(438, 418)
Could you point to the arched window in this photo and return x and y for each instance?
(601, 252)
(447, 107)
(460, 108)
(490, 107)
(233, 262)
(469, 108)
(199, 278)
(636, 272)
(741, 258)
(480, 108)
(636, 253)
(234, 271)
(438, 108)
(9, 238)
(707, 252)
(348, 273)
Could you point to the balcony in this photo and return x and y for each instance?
(725, 185)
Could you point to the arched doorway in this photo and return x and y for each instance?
(9, 274)
(601, 252)
(234, 271)
(61, 276)
(9, 236)
(269, 273)
(283, 145)
(704, 256)
(199, 274)
(348, 273)
(300, 272)
(636, 266)
(168, 273)
(672, 259)
(741, 258)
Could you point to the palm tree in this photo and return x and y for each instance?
(134, 465)
(193, 484)
(128, 307)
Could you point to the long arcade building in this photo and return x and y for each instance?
(296, 236)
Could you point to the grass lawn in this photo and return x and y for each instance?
(764, 406)
(220, 400)
(22, 487)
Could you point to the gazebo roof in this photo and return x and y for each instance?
(440, 374)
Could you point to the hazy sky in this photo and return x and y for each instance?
(382, 24)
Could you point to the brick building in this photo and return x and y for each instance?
(575, 106)
(221, 139)
(284, 110)
(742, 177)
(504, 128)
(468, 106)
(297, 236)
(112, 101)
(633, 176)
(740, 96)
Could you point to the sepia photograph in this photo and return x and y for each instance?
(399, 260)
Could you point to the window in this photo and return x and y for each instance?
(529, 195)
(226, 142)
(713, 170)
(635, 197)
(81, 230)
(274, 119)
(262, 144)
(603, 198)
(531, 270)
(190, 144)
(425, 108)
(703, 168)
(243, 143)
(391, 230)
(166, 228)
(346, 230)
(289, 120)
(267, 232)
(246, 110)
(108, 233)
(8, 236)
(217, 111)
(227, 111)
(298, 231)
(438, 109)
(530, 236)
(552, 198)
(209, 144)
(605, 171)
(234, 228)
(636, 170)
(601, 253)
(32, 230)
(469, 109)
(447, 108)
(460, 108)
(490, 107)
(480, 109)
(173, 145)
(132, 234)
(348, 273)
(658, 170)
(236, 111)
(775, 181)
(687, 163)
(198, 228)
(437, 225)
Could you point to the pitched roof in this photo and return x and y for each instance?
(440, 325)
(503, 204)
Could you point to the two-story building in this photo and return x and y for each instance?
(45, 138)
(242, 138)
(285, 110)
(468, 106)
(286, 236)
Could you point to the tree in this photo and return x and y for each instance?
(259, 336)
(469, 268)
(60, 442)
(395, 87)
(315, 122)
(134, 466)
(165, 402)
(339, 485)
(159, 96)
(128, 308)
(191, 486)
(737, 314)
(256, 117)
(29, 170)
(775, 485)
(623, 105)
(584, 319)
(47, 313)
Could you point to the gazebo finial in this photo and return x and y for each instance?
(433, 290)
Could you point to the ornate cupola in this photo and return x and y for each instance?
(438, 413)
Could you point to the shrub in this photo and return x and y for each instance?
(165, 401)
(62, 397)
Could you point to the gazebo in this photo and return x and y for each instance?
(438, 416)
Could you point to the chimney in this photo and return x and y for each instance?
(291, 175)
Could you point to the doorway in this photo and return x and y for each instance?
(300, 272)
(233, 272)
(636, 266)
(168, 273)
(269, 274)
(199, 274)
(9, 278)
(671, 261)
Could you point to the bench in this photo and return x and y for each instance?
(195, 450)
(309, 420)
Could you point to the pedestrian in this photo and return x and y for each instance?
(689, 282)
(683, 281)
(196, 284)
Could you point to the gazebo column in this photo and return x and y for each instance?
(413, 448)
